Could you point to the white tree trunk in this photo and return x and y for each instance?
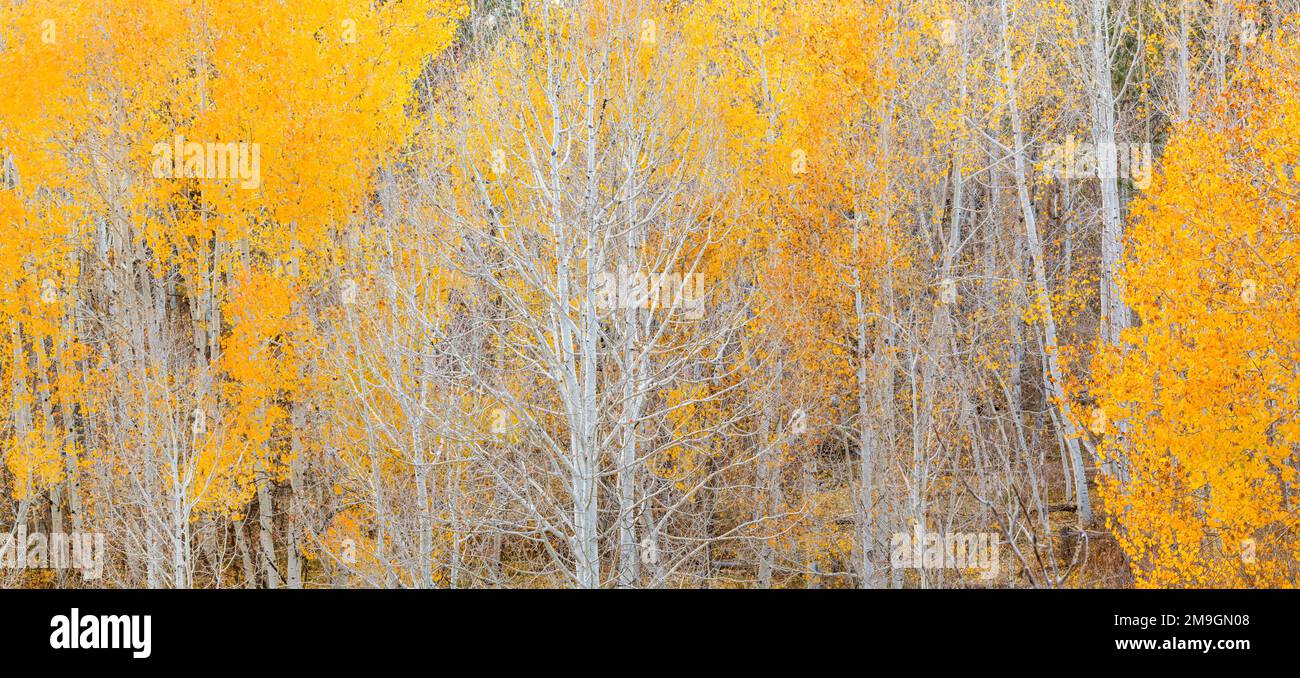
(1053, 379)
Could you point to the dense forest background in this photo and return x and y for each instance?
(649, 293)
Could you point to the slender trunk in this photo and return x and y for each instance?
(1053, 379)
(266, 531)
(1183, 77)
(294, 524)
(245, 554)
(1114, 312)
(769, 483)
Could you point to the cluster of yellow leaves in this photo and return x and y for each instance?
(322, 87)
(1203, 396)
